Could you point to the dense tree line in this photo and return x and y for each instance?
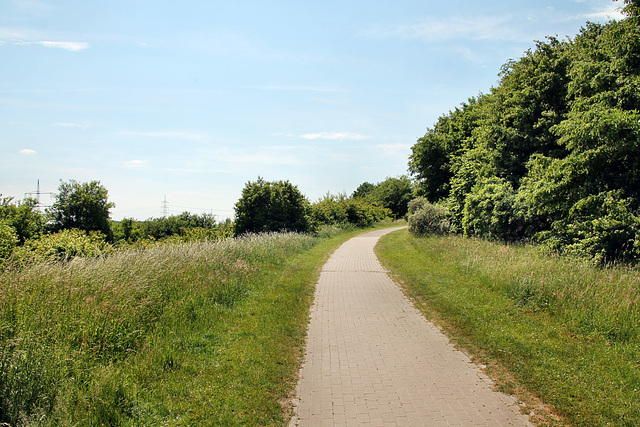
(550, 154)
(267, 206)
(79, 224)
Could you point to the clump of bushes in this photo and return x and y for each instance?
(426, 218)
(344, 212)
(62, 246)
(8, 240)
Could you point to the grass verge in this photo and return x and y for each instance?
(562, 336)
(207, 333)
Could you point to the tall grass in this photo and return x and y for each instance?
(149, 336)
(554, 330)
(597, 302)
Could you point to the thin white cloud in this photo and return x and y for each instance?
(527, 26)
(133, 164)
(168, 134)
(28, 151)
(71, 46)
(293, 88)
(287, 134)
(333, 136)
(28, 37)
(611, 11)
(452, 28)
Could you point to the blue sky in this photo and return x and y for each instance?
(190, 100)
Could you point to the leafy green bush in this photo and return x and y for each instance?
(63, 246)
(489, 210)
(426, 218)
(8, 240)
(601, 227)
(343, 211)
(23, 217)
(221, 231)
(271, 206)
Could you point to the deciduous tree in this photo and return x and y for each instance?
(271, 206)
(81, 205)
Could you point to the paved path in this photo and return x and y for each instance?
(373, 359)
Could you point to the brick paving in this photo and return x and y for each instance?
(372, 358)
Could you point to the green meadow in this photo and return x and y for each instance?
(562, 335)
(205, 333)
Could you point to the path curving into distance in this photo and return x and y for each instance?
(373, 359)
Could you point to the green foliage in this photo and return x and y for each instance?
(83, 206)
(222, 230)
(489, 210)
(160, 228)
(271, 206)
(343, 211)
(426, 218)
(127, 230)
(23, 217)
(563, 331)
(8, 240)
(199, 333)
(601, 226)
(63, 246)
(394, 193)
(433, 156)
(363, 190)
(559, 133)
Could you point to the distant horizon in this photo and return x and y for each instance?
(192, 101)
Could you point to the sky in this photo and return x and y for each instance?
(175, 106)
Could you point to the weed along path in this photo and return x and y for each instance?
(373, 359)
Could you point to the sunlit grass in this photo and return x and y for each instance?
(206, 333)
(549, 328)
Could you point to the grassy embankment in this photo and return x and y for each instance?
(547, 328)
(179, 334)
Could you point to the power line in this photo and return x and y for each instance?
(168, 208)
(200, 209)
(165, 206)
(38, 193)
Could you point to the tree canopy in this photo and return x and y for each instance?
(394, 194)
(23, 217)
(271, 206)
(553, 152)
(81, 205)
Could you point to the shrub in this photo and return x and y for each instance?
(8, 240)
(343, 211)
(600, 227)
(271, 206)
(23, 217)
(427, 218)
(63, 246)
(489, 210)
